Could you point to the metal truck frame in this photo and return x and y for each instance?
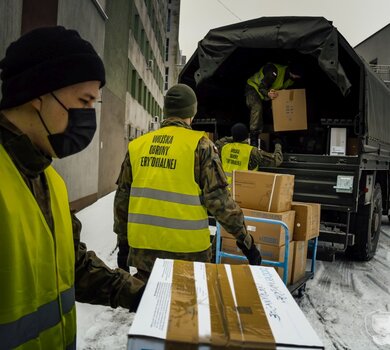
(341, 91)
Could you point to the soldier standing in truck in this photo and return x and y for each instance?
(262, 86)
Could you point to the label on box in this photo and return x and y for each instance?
(251, 228)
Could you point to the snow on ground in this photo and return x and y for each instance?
(345, 302)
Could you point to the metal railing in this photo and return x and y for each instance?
(383, 71)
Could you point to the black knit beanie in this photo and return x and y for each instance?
(180, 101)
(44, 60)
(239, 132)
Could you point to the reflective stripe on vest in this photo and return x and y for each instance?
(165, 207)
(235, 156)
(278, 84)
(28, 327)
(37, 306)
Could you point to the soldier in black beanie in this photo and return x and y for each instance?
(51, 79)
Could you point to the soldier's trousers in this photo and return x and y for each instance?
(255, 105)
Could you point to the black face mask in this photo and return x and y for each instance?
(78, 133)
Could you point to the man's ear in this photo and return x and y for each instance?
(37, 103)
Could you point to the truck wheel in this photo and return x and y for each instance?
(368, 227)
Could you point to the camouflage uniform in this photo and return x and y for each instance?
(211, 178)
(256, 104)
(95, 283)
(258, 158)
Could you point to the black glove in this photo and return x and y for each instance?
(252, 254)
(122, 256)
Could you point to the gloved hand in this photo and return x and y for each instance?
(122, 256)
(252, 254)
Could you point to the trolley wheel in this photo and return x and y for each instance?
(301, 291)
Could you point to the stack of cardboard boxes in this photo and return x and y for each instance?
(269, 195)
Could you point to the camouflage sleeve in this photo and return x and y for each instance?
(216, 196)
(260, 158)
(222, 142)
(121, 200)
(96, 283)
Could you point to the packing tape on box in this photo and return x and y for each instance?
(272, 193)
(215, 304)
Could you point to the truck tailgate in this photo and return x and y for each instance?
(316, 179)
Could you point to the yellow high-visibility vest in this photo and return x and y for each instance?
(37, 298)
(235, 156)
(165, 207)
(278, 84)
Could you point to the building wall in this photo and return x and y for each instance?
(130, 36)
(80, 171)
(173, 59)
(11, 23)
(112, 131)
(376, 47)
(144, 97)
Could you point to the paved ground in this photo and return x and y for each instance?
(346, 299)
(345, 302)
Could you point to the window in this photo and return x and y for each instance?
(169, 21)
(139, 97)
(147, 51)
(143, 41)
(131, 79)
(167, 50)
(166, 78)
(133, 82)
(136, 27)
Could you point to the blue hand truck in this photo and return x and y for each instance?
(299, 285)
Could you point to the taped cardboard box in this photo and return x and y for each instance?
(307, 220)
(268, 252)
(352, 146)
(289, 110)
(193, 305)
(262, 232)
(299, 261)
(263, 191)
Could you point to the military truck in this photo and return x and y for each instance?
(341, 92)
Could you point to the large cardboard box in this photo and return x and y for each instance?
(210, 135)
(262, 232)
(299, 261)
(268, 252)
(289, 110)
(263, 191)
(193, 305)
(307, 220)
(352, 146)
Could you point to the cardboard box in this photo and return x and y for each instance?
(263, 191)
(299, 261)
(338, 141)
(193, 305)
(352, 146)
(289, 110)
(210, 135)
(262, 232)
(307, 220)
(265, 138)
(268, 252)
